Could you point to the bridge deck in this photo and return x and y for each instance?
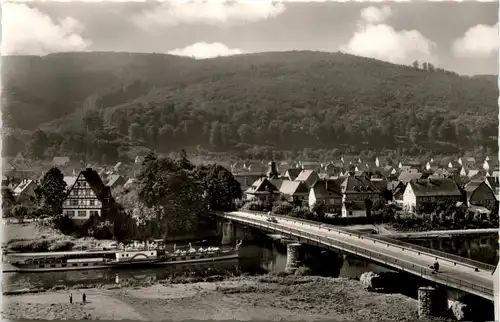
(450, 273)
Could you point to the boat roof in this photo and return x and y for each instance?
(64, 253)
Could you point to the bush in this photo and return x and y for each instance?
(61, 246)
(254, 205)
(31, 246)
(239, 203)
(282, 208)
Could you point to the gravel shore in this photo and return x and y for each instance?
(266, 297)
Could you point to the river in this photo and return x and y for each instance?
(266, 256)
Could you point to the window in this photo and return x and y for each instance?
(94, 213)
(70, 213)
(82, 213)
(74, 202)
(92, 202)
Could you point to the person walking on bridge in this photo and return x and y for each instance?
(436, 266)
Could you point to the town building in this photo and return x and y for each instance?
(115, 180)
(25, 189)
(308, 176)
(262, 189)
(480, 194)
(431, 190)
(294, 191)
(246, 179)
(87, 197)
(328, 193)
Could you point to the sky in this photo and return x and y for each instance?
(458, 36)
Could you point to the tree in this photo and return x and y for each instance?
(415, 64)
(183, 161)
(170, 195)
(221, 188)
(52, 190)
(8, 201)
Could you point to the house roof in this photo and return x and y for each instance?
(327, 189)
(435, 187)
(393, 184)
(381, 184)
(114, 179)
(304, 175)
(292, 188)
(407, 176)
(262, 186)
(22, 186)
(470, 187)
(353, 184)
(493, 160)
(277, 182)
(294, 173)
(95, 183)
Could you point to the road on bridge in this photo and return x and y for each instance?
(446, 268)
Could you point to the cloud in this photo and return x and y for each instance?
(214, 12)
(480, 41)
(202, 50)
(378, 40)
(375, 15)
(27, 31)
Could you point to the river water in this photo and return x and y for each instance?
(257, 258)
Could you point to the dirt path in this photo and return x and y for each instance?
(249, 298)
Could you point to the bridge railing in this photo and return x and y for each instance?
(455, 259)
(401, 264)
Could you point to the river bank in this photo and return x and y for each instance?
(266, 297)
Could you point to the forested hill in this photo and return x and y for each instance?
(287, 100)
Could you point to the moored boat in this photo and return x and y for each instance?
(120, 258)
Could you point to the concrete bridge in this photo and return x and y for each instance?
(455, 272)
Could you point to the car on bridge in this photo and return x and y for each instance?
(271, 219)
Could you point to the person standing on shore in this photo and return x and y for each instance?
(84, 297)
(71, 298)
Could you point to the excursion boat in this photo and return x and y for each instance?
(120, 258)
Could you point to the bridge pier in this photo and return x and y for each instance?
(425, 305)
(228, 237)
(292, 257)
(432, 302)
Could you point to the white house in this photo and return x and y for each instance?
(86, 197)
(421, 191)
(327, 192)
(25, 189)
